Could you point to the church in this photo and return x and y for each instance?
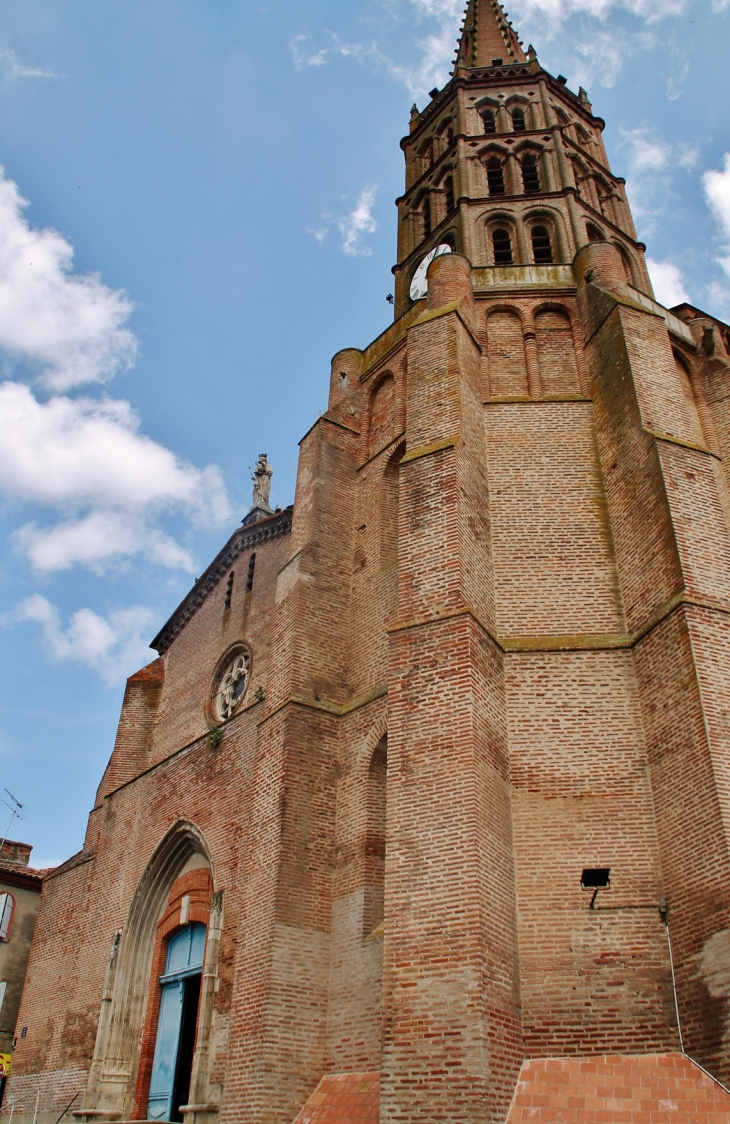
(422, 813)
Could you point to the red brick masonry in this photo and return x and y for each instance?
(616, 1089)
(344, 1098)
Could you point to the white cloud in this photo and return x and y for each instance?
(69, 328)
(359, 222)
(96, 541)
(437, 48)
(303, 56)
(668, 282)
(109, 484)
(353, 226)
(11, 70)
(550, 15)
(718, 299)
(652, 163)
(717, 192)
(113, 646)
(606, 50)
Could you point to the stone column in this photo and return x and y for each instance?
(532, 358)
(513, 175)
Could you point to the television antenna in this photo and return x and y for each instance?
(16, 813)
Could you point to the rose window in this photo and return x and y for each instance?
(232, 686)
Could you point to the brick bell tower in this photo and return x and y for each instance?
(480, 664)
(507, 165)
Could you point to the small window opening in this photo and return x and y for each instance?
(495, 176)
(6, 912)
(249, 576)
(530, 176)
(426, 215)
(541, 248)
(502, 247)
(490, 123)
(594, 234)
(518, 120)
(229, 592)
(449, 193)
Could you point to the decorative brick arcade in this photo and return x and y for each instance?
(488, 648)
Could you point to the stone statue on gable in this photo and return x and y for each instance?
(262, 482)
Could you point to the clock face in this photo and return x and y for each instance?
(419, 284)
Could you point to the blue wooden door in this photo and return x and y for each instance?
(184, 959)
(165, 1060)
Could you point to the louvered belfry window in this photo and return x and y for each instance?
(495, 176)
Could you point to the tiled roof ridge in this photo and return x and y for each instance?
(241, 539)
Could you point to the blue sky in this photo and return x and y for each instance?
(196, 213)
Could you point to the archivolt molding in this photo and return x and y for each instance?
(494, 148)
(113, 1074)
(376, 733)
(527, 311)
(524, 312)
(394, 372)
(528, 145)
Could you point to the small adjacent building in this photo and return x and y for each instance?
(20, 898)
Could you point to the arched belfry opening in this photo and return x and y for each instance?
(155, 1016)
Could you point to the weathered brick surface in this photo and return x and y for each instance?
(555, 571)
(582, 798)
(506, 365)
(558, 365)
(688, 783)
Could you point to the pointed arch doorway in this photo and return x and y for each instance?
(176, 1024)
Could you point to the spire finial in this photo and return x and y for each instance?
(487, 37)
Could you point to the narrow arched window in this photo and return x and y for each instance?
(495, 176)
(502, 246)
(530, 176)
(374, 864)
(518, 120)
(426, 216)
(449, 193)
(229, 591)
(594, 234)
(249, 575)
(6, 912)
(541, 249)
(490, 122)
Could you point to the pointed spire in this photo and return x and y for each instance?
(487, 35)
